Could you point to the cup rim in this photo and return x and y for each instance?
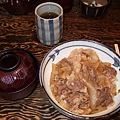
(49, 3)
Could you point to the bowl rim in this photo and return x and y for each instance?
(69, 114)
(37, 69)
(65, 112)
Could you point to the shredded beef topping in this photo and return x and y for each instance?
(82, 83)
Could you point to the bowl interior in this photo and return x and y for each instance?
(63, 50)
(98, 3)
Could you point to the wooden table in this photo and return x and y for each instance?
(20, 32)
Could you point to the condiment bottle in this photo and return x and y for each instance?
(66, 4)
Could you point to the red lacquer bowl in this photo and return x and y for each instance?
(18, 73)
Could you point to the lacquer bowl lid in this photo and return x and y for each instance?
(18, 69)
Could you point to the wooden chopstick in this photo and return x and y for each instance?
(117, 49)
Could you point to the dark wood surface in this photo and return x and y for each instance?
(20, 32)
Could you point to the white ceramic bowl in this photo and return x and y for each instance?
(62, 50)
